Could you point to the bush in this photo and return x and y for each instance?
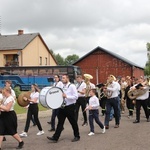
(17, 91)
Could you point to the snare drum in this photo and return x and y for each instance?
(51, 97)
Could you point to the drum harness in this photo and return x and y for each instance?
(64, 103)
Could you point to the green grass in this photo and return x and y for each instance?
(20, 110)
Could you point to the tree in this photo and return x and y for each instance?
(59, 59)
(70, 59)
(147, 66)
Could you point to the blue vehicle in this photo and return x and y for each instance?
(23, 77)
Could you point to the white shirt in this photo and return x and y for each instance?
(119, 88)
(71, 92)
(13, 93)
(1, 96)
(80, 86)
(92, 85)
(34, 95)
(88, 87)
(94, 102)
(113, 87)
(145, 95)
(58, 84)
(8, 100)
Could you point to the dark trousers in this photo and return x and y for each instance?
(142, 103)
(54, 115)
(32, 110)
(130, 106)
(103, 105)
(94, 114)
(33, 121)
(81, 102)
(69, 113)
(112, 102)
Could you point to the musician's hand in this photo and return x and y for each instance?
(64, 95)
(105, 89)
(133, 88)
(86, 108)
(25, 98)
(90, 107)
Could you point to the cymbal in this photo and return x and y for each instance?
(21, 101)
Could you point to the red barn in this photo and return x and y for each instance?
(100, 63)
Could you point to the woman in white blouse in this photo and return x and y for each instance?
(8, 118)
(33, 110)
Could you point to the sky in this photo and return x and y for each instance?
(78, 26)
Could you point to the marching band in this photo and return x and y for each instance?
(116, 94)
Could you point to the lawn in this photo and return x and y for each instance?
(21, 110)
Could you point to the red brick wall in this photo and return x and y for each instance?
(101, 64)
(137, 72)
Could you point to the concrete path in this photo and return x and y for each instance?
(128, 136)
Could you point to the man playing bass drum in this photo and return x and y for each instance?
(70, 96)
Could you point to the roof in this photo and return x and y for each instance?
(111, 53)
(19, 42)
(13, 42)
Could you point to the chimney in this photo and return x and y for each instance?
(20, 32)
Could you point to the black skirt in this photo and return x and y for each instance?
(8, 123)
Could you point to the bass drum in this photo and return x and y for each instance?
(51, 97)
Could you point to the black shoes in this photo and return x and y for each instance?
(51, 130)
(76, 139)
(49, 122)
(136, 121)
(20, 145)
(106, 127)
(84, 124)
(52, 139)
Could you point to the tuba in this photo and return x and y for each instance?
(134, 93)
(87, 77)
(21, 101)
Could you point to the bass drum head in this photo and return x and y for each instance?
(54, 98)
(42, 96)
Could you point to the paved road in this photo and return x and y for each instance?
(128, 136)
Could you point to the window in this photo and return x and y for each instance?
(40, 60)
(46, 61)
